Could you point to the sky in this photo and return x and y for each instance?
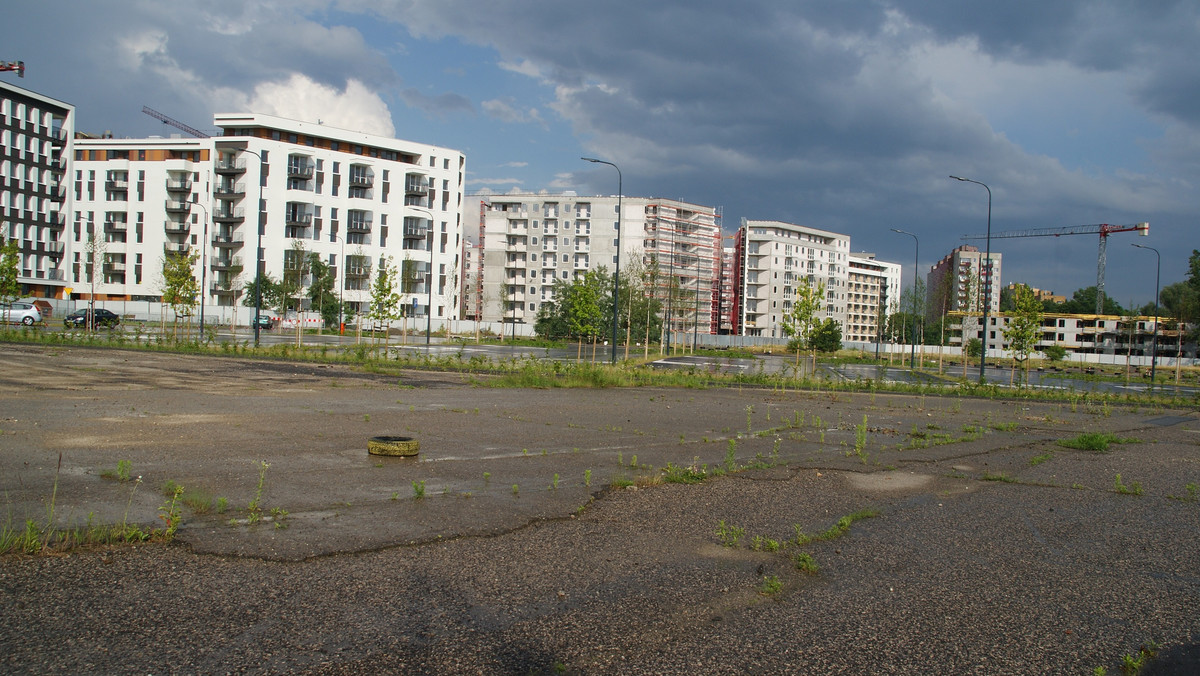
(845, 116)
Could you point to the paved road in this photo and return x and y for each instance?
(521, 557)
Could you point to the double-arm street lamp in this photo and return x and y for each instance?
(916, 271)
(617, 266)
(1154, 339)
(987, 296)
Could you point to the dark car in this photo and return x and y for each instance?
(265, 322)
(81, 319)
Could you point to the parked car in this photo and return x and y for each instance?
(20, 313)
(81, 319)
(265, 322)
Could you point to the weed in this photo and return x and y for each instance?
(620, 458)
(999, 476)
(587, 477)
(633, 462)
(801, 537)
(860, 438)
(730, 534)
(771, 585)
(775, 448)
(1191, 494)
(395, 495)
(487, 476)
(805, 563)
(169, 512)
(1097, 442)
(1039, 459)
(679, 474)
(554, 483)
(731, 456)
(418, 488)
(843, 524)
(1004, 427)
(516, 490)
(367, 417)
(253, 508)
(749, 419)
(763, 544)
(278, 514)
(1133, 489)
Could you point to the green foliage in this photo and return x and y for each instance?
(680, 474)
(10, 264)
(181, 290)
(827, 337)
(1025, 325)
(729, 534)
(771, 585)
(385, 302)
(418, 488)
(800, 320)
(1083, 302)
(1133, 489)
(805, 563)
(1097, 442)
(1055, 352)
(974, 348)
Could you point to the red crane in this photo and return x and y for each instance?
(1102, 229)
(18, 66)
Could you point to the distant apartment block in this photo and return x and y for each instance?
(527, 242)
(1085, 334)
(872, 294)
(962, 282)
(354, 199)
(775, 256)
(36, 136)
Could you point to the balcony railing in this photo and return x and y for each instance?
(237, 215)
(179, 184)
(177, 228)
(416, 186)
(358, 271)
(304, 171)
(416, 229)
(227, 240)
(361, 180)
(176, 247)
(298, 219)
(116, 226)
(174, 206)
(233, 190)
(358, 226)
(230, 166)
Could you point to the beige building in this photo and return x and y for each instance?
(872, 294)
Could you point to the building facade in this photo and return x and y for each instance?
(271, 190)
(36, 136)
(775, 257)
(527, 242)
(872, 295)
(962, 282)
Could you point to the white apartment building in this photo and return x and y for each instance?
(872, 294)
(352, 198)
(775, 256)
(36, 134)
(528, 241)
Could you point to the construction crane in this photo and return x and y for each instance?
(18, 66)
(1102, 229)
(173, 122)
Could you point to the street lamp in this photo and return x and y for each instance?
(258, 252)
(203, 265)
(987, 296)
(1154, 339)
(428, 279)
(341, 266)
(617, 266)
(916, 271)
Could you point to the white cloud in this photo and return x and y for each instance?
(299, 98)
(505, 111)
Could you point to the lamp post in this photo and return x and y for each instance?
(916, 271)
(429, 279)
(341, 266)
(1154, 339)
(987, 296)
(617, 266)
(203, 265)
(258, 252)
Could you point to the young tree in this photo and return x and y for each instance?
(410, 278)
(95, 249)
(179, 286)
(799, 322)
(385, 302)
(321, 293)
(1024, 326)
(272, 294)
(827, 337)
(10, 284)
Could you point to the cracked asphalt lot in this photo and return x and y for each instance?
(992, 550)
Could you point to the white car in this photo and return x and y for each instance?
(20, 313)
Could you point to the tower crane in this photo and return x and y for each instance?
(173, 122)
(1102, 229)
(18, 66)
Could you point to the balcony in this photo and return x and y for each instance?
(173, 206)
(416, 186)
(116, 184)
(230, 191)
(302, 171)
(226, 262)
(234, 216)
(234, 240)
(361, 179)
(415, 229)
(116, 226)
(230, 165)
(177, 228)
(176, 247)
(179, 185)
(217, 289)
(363, 225)
(114, 267)
(358, 271)
(58, 136)
(297, 219)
